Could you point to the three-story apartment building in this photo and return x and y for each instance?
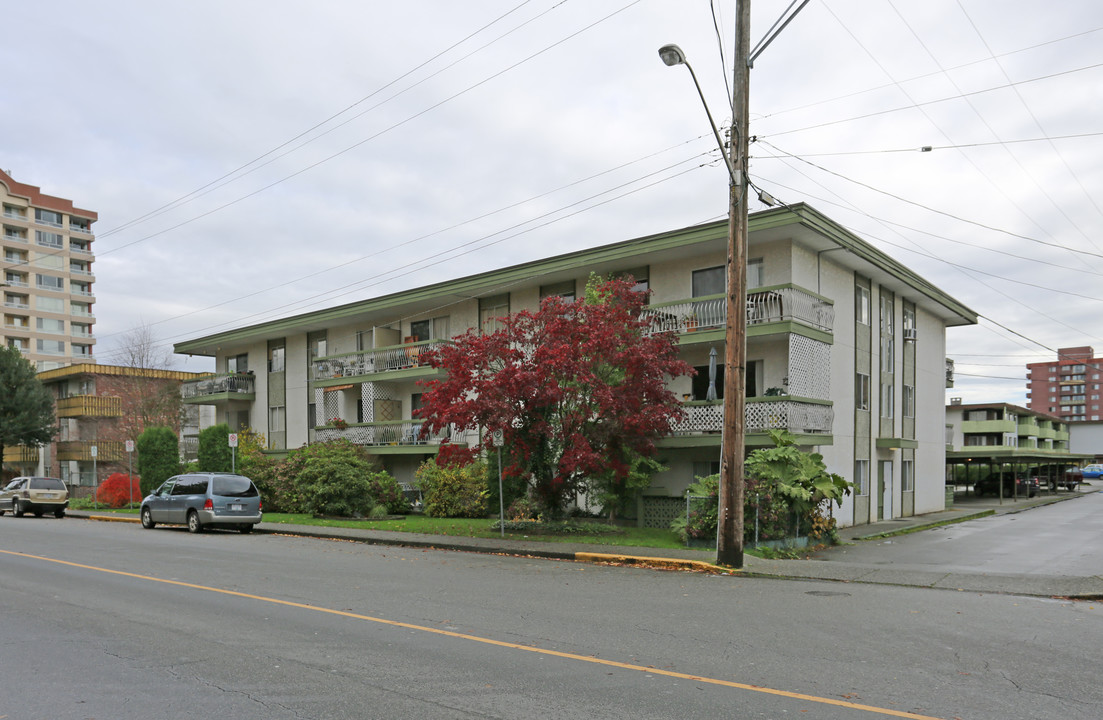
(47, 276)
(982, 438)
(845, 349)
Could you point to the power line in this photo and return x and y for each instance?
(180, 200)
(396, 125)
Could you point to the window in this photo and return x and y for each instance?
(52, 261)
(565, 291)
(80, 329)
(49, 304)
(49, 282)
(238, 363)
(51, 347)
(81, 288)
(47, 217)
(56, 327)
(79, 308)
(421, 330)
(82, 351)
(710, 281)
(755, 274)
(277, 418)
(701, 381)
(909, 401)
(886, 400)
(639, 275)
(16, 213)
(861, 391)
(491, 309)
(363, 340)
(48, 239)
(276, 358)
(704, 469)
(861, 477)
(909, 322)
(861, 305)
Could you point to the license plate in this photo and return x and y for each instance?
(237, 507)
(49, 496)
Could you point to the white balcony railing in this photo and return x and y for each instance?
(401, 432)
(395, 357)
(760, 415)
(232, 383)
(765, 305)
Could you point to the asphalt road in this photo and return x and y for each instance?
(105, 620)
(1063, 539)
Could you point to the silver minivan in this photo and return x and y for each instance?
(201, 500)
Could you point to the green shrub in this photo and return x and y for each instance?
(453, 490)
(214, 449)
(158, 457)
(333, 478)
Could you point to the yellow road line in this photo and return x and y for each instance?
(490, 641)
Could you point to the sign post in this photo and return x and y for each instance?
(130, 468)
(95, 478)
(233, 452)
(498, 439)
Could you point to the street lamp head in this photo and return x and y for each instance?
(672, 55)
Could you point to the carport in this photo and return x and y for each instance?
(965, 468)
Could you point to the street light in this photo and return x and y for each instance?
(729, 526)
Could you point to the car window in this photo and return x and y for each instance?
(46, 483)
(190, 486)
(234, 486)
(166, 488)
(14, 484)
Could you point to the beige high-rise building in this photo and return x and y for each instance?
(47, 276)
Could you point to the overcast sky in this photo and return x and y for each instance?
(256, 159)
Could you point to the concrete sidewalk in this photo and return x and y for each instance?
(694, 559)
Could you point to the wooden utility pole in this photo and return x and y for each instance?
(729, 540)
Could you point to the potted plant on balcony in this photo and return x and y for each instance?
(691, 322)
(339, 423)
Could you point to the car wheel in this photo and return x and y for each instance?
(59, 513)
(16, 508)
(147, 519)
(194, 526)
(245, 529)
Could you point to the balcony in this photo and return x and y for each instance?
(13, 214)
(800, 416)
(368, 362)
(81, 450)
(89, 406)
(13, 282)
(21, 454)
(17, 305)
(213, 389)
(776, 304)
(15, 237)
(399, 433)
(79, 229)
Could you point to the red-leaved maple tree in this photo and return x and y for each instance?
(576, 388)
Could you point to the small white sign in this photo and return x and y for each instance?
(130, 446)
(95, 451)
(233, 439)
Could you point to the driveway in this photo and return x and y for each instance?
(1058, 540)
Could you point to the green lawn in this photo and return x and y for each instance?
(484, 528)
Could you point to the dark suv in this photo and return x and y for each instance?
(1027, 485)
(201, 500)
(38, 495)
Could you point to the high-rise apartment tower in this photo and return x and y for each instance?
(46, 279)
